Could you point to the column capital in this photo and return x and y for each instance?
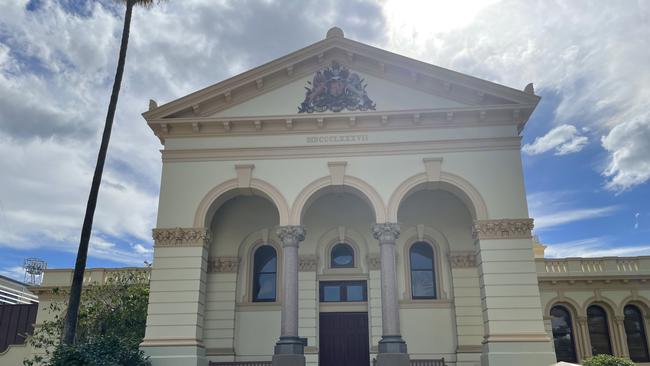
(291, 235)
(503, 229)
(386, 233)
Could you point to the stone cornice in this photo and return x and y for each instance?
(181, 237)
(503, 229)
(223, 264)
(343, 149)
(462, 259)
(308, 263)
(468, 117)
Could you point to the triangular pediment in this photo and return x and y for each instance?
(383, 94)
(392, 82)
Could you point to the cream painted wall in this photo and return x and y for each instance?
(496, 174)
(388, 96)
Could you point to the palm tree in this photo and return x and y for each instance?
(82, 253)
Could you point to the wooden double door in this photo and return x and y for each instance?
(343, 339)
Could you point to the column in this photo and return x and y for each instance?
(620, 337)
(512, 312)
(174, 332)
(289, 350)
(392, 348)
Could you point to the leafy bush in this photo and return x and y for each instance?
(607, 360)
(110, 327)
(99, 351)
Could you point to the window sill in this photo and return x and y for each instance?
(258, 306)
(426, 304)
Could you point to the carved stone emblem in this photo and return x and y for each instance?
(223, 264)
(335, 88)
(308, 263)
(181, 237)
(462, 259)
(374, 262)
(503, 229)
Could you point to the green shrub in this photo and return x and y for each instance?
(100, 351)
(607, 360)
(110, 326)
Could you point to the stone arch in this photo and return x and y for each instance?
(333, 236)
(573, 307)
(606, 303)
(452, 183)
(231, 188)
(639, 301)
(350, 184)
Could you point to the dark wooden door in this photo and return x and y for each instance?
(344, 339)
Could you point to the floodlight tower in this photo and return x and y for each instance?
(34, 268)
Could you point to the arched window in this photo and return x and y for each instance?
(423, 276)
(563, 334)
(265, 269)
(637, 343)
(342, 256)
(598, 330)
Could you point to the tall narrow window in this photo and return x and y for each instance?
(563, 334)
(637, 343)
(265, 269)
(598, 330)
(423, 278)
(342, 256)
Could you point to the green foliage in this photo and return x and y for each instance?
(110, 327)
(99, 351)
(607, 360)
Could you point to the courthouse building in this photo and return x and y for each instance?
(344, 204)
(347, 204)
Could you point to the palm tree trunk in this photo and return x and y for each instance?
(70, 325)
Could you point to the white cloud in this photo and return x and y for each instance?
(629, 145)
(599, 73)
(564, 139)
(552, 209)
(593, 247)
(55, 85)
(567, 216)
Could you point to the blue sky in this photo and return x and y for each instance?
(586, 150)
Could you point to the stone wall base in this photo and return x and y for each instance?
(176, 355)
(393, 359)
(288, 360)
(517, 354)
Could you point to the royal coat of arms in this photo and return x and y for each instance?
(336, 88)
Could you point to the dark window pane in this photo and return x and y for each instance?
(637, 342)
(421, 256)
(598, 331)
(422, 285)
(342, 256)
(265, 265)
(332, 293)
(355, 293)
(265, 287)
(563, 334)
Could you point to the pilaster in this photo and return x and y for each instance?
(467, 306)
(512, 313)
(174, 332)
(219, 324)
